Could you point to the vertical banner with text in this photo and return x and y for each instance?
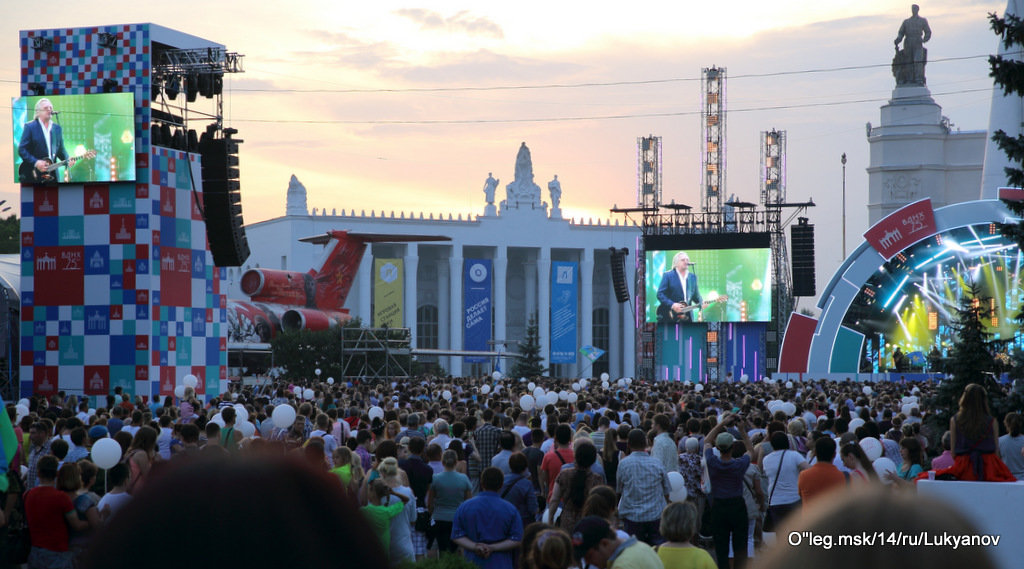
(388, 293)
(476, 307)
(563, 312)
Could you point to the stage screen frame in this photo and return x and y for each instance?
(100, 122)
(734, 250)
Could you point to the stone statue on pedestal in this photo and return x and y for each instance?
(523, 192)
(908, 63)
(555, 189)
(489, 188)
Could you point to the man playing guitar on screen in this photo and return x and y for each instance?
(42, 143)
(678, 290)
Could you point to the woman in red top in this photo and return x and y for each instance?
(975, 437)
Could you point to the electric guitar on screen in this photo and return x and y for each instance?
(29, 174)
(666, 314)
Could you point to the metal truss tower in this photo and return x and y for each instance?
(773, 197)
(712, 139)
(648, 200)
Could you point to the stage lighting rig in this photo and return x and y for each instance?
(42, 44)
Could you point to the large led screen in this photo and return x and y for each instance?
(708, 278)
(74, 139)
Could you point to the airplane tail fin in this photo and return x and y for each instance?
(335, 270)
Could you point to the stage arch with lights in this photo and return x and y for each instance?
(900, 288)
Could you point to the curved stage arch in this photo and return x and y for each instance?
(918, 254)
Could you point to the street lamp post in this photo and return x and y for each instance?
(843, 160)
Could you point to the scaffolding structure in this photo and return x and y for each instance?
(773, 193)
(376, 353)
(712, 138)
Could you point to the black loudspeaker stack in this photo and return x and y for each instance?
(802, 241)
(222, 198)
(618, 265)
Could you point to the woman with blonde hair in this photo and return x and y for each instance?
(679, 524)
(401, 526)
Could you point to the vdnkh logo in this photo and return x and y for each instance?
(478, 273)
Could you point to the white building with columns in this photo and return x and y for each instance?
(522, 238)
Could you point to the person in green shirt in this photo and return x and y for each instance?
(380, 516)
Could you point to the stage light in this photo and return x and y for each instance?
(172, 86)
(42, 44)
(110, 86)
(37, 88)
(191, 87)
(107, 40)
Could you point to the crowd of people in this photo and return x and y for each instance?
(544, 474)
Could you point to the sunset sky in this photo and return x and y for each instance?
(399, 106)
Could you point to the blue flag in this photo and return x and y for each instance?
(591, 353)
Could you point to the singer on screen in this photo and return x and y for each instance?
(678, 290)
(42, 144)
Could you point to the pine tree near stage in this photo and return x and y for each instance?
(531, 364)
(971, 359)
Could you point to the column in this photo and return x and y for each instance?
(412, 260)
(455, 310)
(365, 280)
(544, 304)
(444, 322)
(500, 300)
(583, 367)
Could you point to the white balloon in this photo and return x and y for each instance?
(551, 397)
(676, 480)
(744, 378)
(573, 398)
(497, 389)
(190, 381)
(854, 423)
(563, 395)
(376, 413)
(308, 394)
(884, 466)
(605, 376)
(106, 453)
(527, 402)
(622, 382)
(872, 447)
(330, 381)
(218, 419)
(789, 385)
(241, 413)
(699, 387)
(247, 429)
(678, 495)
(447, 395)
(584, 383)
(485, 389)
(576, 386)
(789, 409)
(866, 390)
(629, 381)
(21, 409)
(538, 393)
(23, 401)
(605, 384)
(531, 386)
(496, 375)
(283, 416)
(297, 390)
(906, 409)
(318, 371)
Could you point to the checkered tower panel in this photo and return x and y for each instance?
(118, 285)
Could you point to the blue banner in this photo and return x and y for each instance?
(563, 312)
(476, 294)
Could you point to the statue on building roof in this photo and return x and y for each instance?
(295, 204)
(523, 193)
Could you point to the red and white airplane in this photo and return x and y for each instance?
(291, 300)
